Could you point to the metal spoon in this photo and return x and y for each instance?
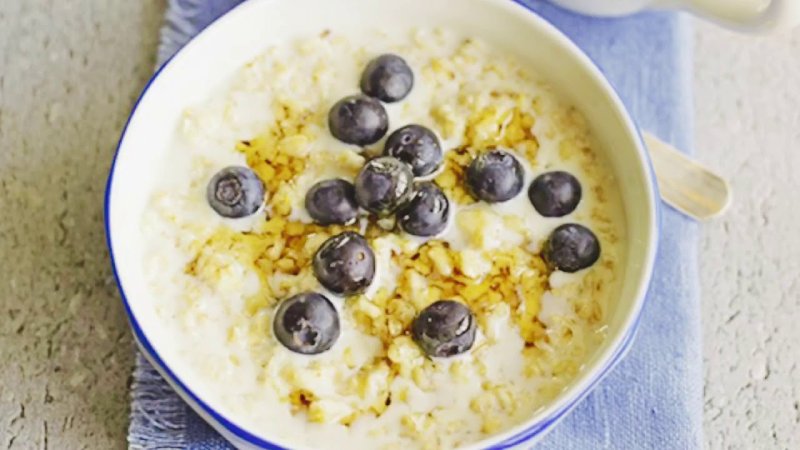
(685, 184)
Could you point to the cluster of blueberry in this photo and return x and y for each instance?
(308, 323)
(345, 264)
(385, 185)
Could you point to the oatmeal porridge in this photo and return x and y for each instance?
(394, 241)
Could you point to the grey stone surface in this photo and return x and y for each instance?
(69, 73)
(747, 96)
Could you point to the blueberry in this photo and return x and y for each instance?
(332, 202)
(345, 264)
(445, 328)
(555, 194)
(417, 146)
(306, 323)
(358, 120)
(387, 78)
(426, 213)
(383, 185)
(235, 192)
(571, 247)
(495, 176)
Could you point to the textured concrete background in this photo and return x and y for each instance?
(747, 118)
(69, 73)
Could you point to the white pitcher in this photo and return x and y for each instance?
(745, 15)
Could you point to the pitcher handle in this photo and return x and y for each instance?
(749, 15)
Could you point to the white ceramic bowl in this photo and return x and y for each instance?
(197, 70)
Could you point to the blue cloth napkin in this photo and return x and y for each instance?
(653, 398)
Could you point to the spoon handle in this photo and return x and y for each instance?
(685, 184)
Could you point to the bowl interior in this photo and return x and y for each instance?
(230, 42)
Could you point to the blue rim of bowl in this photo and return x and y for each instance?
(536, 430)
